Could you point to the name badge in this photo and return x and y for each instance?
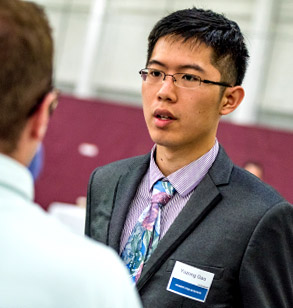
(189, 281)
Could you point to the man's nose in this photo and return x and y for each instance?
(167, 89)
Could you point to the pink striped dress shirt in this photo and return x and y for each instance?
(183, 180)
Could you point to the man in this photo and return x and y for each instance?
(224, 239)
(254, 168)
(42, 264)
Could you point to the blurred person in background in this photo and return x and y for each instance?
(42, 264)
(193, 229)
(255, 168)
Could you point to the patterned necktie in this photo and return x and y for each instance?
(146, 233)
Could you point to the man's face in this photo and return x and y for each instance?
(182, 118)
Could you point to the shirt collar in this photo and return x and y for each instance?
(188, 177)
(16, 177)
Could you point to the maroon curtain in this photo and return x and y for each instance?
(120, 132)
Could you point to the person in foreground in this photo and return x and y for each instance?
(42, 264)
(193, 229)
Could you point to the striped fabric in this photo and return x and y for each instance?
(183, 180)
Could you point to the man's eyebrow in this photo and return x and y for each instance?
(195, 67)
(156, 62)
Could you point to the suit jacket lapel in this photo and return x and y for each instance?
(126, 189)
(205, 197)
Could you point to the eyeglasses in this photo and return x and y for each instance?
(55, 101)
(40, 100)
(182, 80)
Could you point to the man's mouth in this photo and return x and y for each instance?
(164, 115)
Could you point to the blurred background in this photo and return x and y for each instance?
(100, 47)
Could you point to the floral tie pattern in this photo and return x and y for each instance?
(146, 233)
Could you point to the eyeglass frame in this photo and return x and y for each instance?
(40, 100)
(206, 81)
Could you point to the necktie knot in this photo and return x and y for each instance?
(162, 192)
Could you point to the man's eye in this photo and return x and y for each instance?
(155, 74)
(190, 77)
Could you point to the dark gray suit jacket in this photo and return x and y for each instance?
(234, 226)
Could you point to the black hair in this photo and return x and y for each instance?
(230, 54)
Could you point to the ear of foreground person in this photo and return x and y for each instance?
(42, 264)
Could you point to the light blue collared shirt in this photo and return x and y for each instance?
(43, 264)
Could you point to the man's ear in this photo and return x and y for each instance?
(41, 118)
(231, 99)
